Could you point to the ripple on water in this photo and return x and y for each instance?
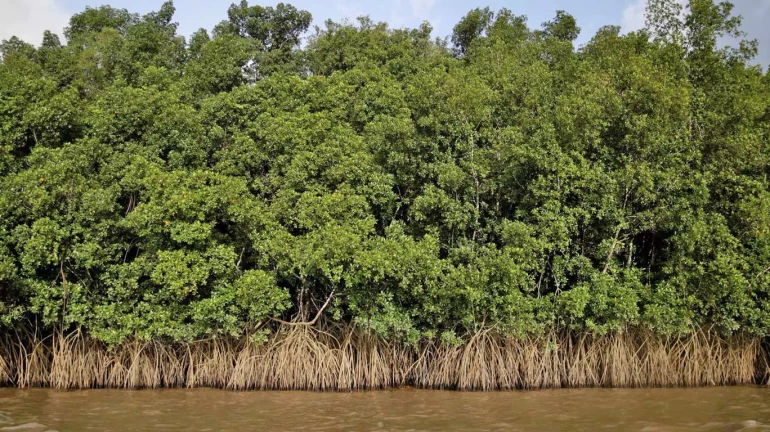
(26, 427)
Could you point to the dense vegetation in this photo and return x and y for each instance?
(154, 187)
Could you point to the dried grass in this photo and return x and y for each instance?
(342, 358)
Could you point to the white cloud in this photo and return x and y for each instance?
(421, 8)
(349, 9)
(633, 16)
(28, 19)
(397, 13)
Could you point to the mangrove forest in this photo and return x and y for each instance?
(278, 204)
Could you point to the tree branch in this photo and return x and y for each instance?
(307, 323)
(617, 234)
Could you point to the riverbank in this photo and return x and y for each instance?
(305, 358)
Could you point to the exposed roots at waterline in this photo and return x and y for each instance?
(305, 358)
(630, 359)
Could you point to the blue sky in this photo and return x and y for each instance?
(28, 18)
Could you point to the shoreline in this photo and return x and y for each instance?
(345, 359)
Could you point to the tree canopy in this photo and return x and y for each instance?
(158, 187)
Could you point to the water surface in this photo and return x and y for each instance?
(703, 409)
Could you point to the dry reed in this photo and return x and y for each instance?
(308, 358)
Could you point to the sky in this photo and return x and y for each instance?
(29, 18)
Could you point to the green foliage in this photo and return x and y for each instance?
(563, 26)
(152, 187)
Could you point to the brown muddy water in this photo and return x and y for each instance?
(699, 409)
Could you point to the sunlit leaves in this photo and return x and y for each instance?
(152, 188)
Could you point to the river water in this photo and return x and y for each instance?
(702, 409)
